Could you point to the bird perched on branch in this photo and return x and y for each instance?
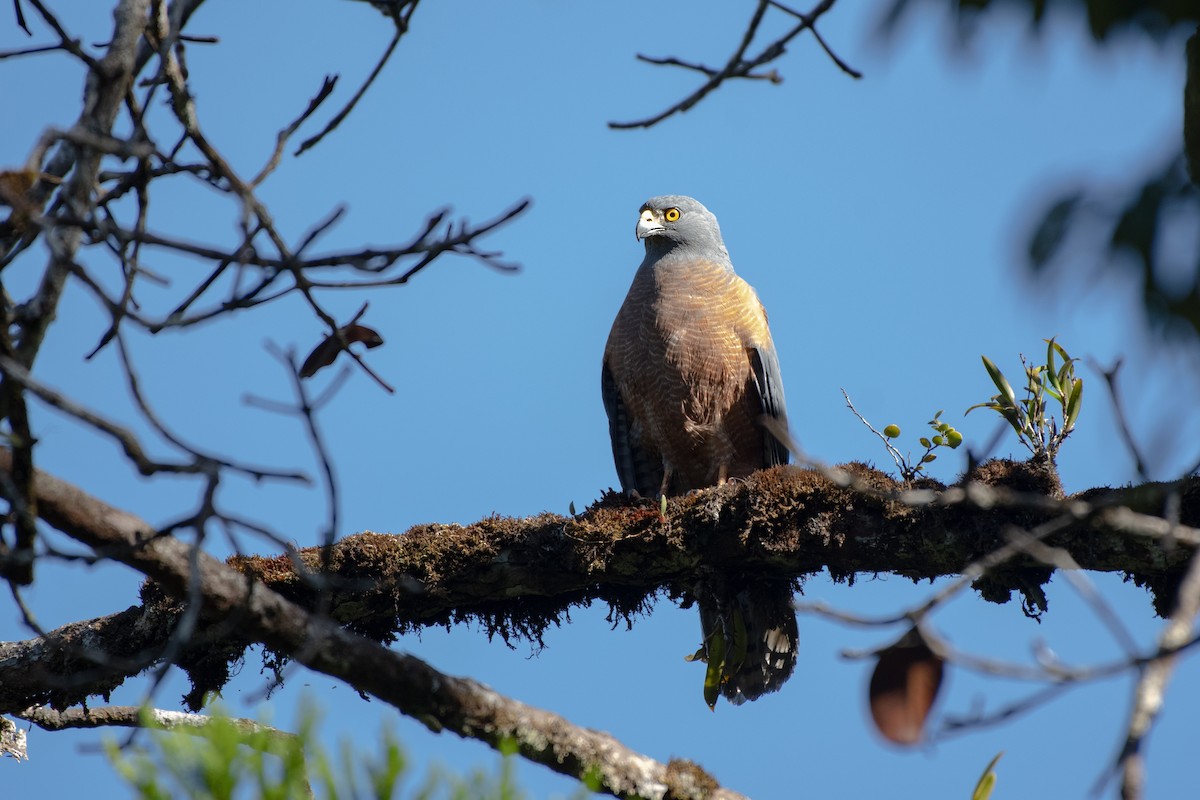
(689, 372)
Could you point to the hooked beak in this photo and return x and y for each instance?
(649, 225)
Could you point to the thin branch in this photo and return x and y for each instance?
(731, 69)
(129, 443)
(69, 43)
(20, 15)
(29, 51)
(842, 65)
(1062, 561)
(1149, 694)
(1110, 380)
(400, 17)
(141, 717)
(901, 462)
(741, 66)
(281, 139)
(306, 409)
(958, 724)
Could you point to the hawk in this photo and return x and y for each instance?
(689, 371)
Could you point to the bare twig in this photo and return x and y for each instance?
(739, 64)
(141, 717)
(400, 17)
(29, 51)
(281, 140)
(1061, 560)
(20, 15)
(1110, 380)
(306, 410)
(901, 461)
(1150, 692)
(202, 464)
(68, 43)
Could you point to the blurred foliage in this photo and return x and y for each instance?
(224, 760)
(1155, 18)
(1152, 225)
(1151, 228)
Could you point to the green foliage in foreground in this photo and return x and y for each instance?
(228, 760)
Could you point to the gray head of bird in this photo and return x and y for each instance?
(676, 221)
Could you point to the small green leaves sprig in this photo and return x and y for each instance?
(1037, 430)
(944, 435)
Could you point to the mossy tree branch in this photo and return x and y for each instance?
(518, 576)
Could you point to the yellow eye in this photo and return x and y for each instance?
(672, 215)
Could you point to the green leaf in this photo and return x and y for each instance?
(716, 669)
(928, 457)
(1066, 376)
(987, 781)
(1015, 419)
(1006, 390)
(924, 442)
(1074, 403)
(993, 406)
(1057, 348)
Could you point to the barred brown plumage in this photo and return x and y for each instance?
(688, 372)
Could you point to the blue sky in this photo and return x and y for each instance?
(881, 221)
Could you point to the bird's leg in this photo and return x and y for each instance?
(723, 473)
(666, 481)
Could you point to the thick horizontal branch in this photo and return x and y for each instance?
(785, 523)
(82, 659)
(517, 576)
(439, 701)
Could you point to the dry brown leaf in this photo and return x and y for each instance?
(327, 351)
(903, 688)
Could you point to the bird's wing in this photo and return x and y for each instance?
(637, 469)
(768, 389)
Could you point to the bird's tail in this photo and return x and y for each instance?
(750, 636)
